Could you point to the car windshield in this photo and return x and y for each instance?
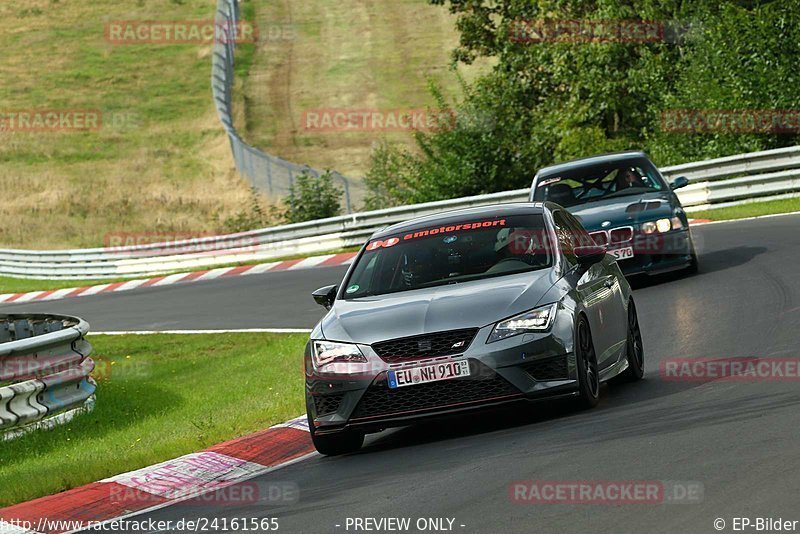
(451, 253)
(600, 181)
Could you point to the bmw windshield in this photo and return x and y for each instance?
(598, 182)
(448, 254)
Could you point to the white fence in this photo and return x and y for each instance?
(715, 183)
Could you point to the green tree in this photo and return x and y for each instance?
(561, 99)
(311, 198)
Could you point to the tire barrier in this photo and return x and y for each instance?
(44, 371)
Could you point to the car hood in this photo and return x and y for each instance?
(450, 307)
(625, 210)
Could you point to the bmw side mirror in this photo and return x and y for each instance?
(590, 254)
(325, 296)
(677, 183)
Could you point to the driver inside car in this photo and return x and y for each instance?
(629, 178)
(514, 249)
(417, 270)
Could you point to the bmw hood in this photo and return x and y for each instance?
(465, 305)
(625, 210)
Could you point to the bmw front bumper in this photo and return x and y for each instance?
(659, 253)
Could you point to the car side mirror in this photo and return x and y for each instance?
(590, 254)
(325, 296)
(677, 183)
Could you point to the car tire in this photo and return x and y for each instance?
(634, 348)
(694, 265)
(343, 442)
(586, 359)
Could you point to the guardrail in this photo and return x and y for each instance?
(731, 180)
(719, 182)
(44, 372)
(267, 173)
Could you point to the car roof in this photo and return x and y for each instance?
(464, 214)
(591, 160)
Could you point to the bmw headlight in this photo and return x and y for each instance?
(326, 352)
(536, 320)
(662, 226)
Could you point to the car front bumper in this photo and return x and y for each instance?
(523, 367)
(659, 254)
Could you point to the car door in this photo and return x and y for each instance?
(596, 288)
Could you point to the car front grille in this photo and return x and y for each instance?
(615, 236)
(483, 384)
(548, 369)
(621, 235)
(600, 238)
(327, 404)
(425, 346)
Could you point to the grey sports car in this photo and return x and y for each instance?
(465, 310)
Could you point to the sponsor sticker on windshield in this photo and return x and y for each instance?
(549, 181)
(379, 243)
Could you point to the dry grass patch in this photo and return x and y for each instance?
(362, 54)
(161, 161)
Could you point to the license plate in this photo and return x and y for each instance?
(622, 253)
(428, 373)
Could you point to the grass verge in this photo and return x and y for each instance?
(159, 162)
(754, 209)
(165, 396)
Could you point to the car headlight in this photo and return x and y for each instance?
(325, 352)
(661, 225)
(536, 320)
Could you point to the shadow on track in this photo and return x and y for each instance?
(711, 262)
(629, 399)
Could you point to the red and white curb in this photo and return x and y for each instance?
(197, 276)
(194, 478)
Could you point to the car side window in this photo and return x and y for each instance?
(565, 236)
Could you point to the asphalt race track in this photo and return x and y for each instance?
(271, 300)
(738, 439)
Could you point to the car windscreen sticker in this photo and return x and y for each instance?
(549, 181)
(353, 288)
(454, 228)
(383, 244)
(379, 243)
(450, 239)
